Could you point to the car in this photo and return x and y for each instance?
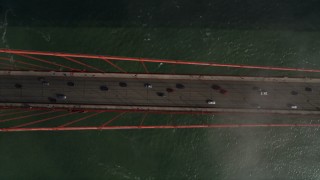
(179, 86)
(52, 100)
(123, 84)
(309, 89)
(292, 106)
(161, 94)
(263, 92)
(61, 96)
(45, 83)
(210, 101)
(147, 85)
(18, 86)
(223, 91)
(70, 83)
(104, 88)
(215, 87)
(169, 90)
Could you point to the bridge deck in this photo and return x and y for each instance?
(230, 93)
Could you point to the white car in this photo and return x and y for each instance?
(43, 81)
(147, 85)
(263, 93)
(292, 106)
(210, 101)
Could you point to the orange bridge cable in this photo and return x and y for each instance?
(81, 119)
(58, 54)
(115, 66)
(144, 66)
(48, 62)
(111, 120)
(25, 63)
(200, 126)
(143, 118)
(13, 113)
(214, 64)
(13, 66)
(6, 65)
(83, 64)
(26, 116)
(42, 120)
(17, 66)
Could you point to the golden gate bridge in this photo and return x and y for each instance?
(139, 109)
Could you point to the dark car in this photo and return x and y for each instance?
(179, 86)
(169, 90)
(61, 96)
(18, 86)
(104, 88)
(123, 84)
(215, 87)
(161, 94)
(70, 83)
(52, 100)
(223, 91)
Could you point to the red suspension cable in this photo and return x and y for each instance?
(16, 66)
(25, 63)
(31, 115)
(7, 65)
(58, 54)
(83, 64)
(13, 113)
(143, 118)
(115, 66)
(81, 119)
(111, 120)
(48, 62)
(42, 120)
(145, 67)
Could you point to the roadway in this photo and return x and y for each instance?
(243, 94)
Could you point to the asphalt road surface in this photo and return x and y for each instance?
(168, 91)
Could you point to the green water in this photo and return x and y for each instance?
(275, 33)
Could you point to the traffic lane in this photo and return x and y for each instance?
(137, 83)
(167, 101)
(241, 88)
(195, 93)
(62, 88)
